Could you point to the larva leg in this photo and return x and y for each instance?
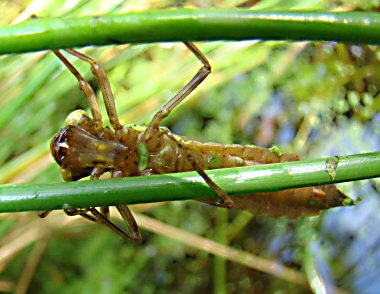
(225, 200)
(101, 219)
(70, 212)
(105, 87)
(131, 222)
(128, 218)
(95, 175)
(86, 89)
(134, 236)
(152, 129)
(105, 210)
(80, 212)
(103, 215)
(43, 214)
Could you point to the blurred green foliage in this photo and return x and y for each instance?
(314, 99)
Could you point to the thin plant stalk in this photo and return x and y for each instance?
(189, 25)
(189, 185)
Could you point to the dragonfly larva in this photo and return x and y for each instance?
(86, 148)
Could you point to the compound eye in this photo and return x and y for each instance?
(77, 118)
(58, 146)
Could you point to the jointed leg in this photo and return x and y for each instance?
(70, 212)
(105, 87)
(101, 219)
(103, 215)
(86, 89)
(225, 200)
(95, 175)
(80, 212)
(128, 218)
(152, 129)
(105, 210)
(43, 214)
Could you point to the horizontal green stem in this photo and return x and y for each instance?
(189, 25)
(182, 186)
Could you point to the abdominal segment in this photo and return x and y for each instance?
(173, 157)
(291, 203)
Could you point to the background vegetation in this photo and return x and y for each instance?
(313, 99)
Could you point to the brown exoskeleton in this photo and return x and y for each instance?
(86, 148)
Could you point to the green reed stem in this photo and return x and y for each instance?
(189, 185)
(189, 25)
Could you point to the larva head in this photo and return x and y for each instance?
(79, 147)
(63, 152)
